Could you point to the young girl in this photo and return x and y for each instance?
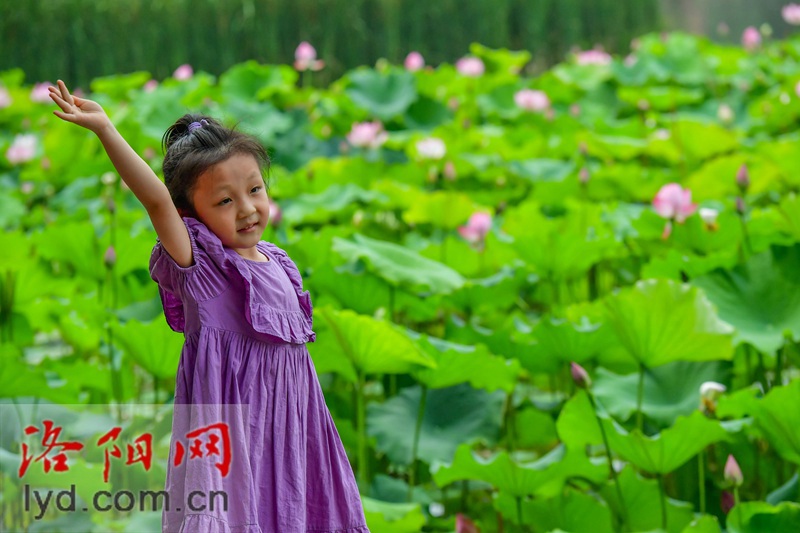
(240, 303)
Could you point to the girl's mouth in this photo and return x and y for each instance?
(248, 229)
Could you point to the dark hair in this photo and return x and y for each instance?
(190, 151)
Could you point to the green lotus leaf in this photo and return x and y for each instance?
(661, 321)
(574, 511)
(500, 290)
(18, 379)
(349, 344)
(119, 85)
(789, 209)
(461, 363)
(669, 449)
(560, 341)
(399, 265)
(534, 429)
(452, 416)
(779, 420)
(153, 346)
(243, 81)
(384, 95)
(427, 114)
(577, 425)
(442, 209)
(543, 170)
(544, 477)
(661, 98)
(74, 244)
(761, 298)
(670, 390)
(321, 208)
(704, 524)
(393, 517)
(643, 504)
(758, 517)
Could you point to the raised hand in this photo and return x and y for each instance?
(78, 110)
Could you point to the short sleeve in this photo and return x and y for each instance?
(179, 285)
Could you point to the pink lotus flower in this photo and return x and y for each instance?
(367, 134)
(151, 85)
(531, 100)
(673, 202)
(791, 14)
(732, 472)
(41, 93)
(431, 148)
(751, 38)
(470, 66)
(465, 525)
(305, 58)
(5, 98)
(477, 228)
(593, 57)
(414, 61)
(22, 149)
(275, 214)
(183, 72)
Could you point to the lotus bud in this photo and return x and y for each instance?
(743, 178)
(110, 257)
(709, 216)
(108, 178)
(732, 472)
(583, 176)
(710, 391)
(449, 171)
(111, 205)
(580, 376)
(465, 525)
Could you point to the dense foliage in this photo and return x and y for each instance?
(466, 234)
(83, 39)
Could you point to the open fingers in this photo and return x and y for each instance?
(65, 92)
(55, 95)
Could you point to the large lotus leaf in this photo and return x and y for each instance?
(669, 449)
(544, 477)
(542, 170)
(75, 244)
(399, 265)
(675, 264)
(351, 344)
(778, 417)
(16, 248)
(368, 294)
(661, 98)
(452, 416)
(384, 95)
(497, 291)
(392, 517)
(670, 390)
(761, 298)
(249, 79)
(704, 524)
(615, 147)
(534, 429)
(643, 504)
(153, 346)
(118, 86)
(559, 342)
(705, 182)
(460, 363)
(18, 379)
(442, 209)
(761, 517)
(661, 321)
(789, 210)
(577, 424)
(427, 114)
(321, 208)
(574, 511)
(562, 247)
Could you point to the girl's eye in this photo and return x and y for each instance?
(225, 201)
(256, 189)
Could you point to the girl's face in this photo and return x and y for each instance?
(231, 200)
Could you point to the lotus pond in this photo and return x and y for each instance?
(568, 301)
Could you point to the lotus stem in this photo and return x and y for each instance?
(640, 398)
(663, 498)
(701, 481)
(612, 472)
(412, 469)
(361, 426)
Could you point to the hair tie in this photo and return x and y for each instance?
(195, 125)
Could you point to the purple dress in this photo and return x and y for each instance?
(245, 365)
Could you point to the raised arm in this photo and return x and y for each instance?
(133, 170)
